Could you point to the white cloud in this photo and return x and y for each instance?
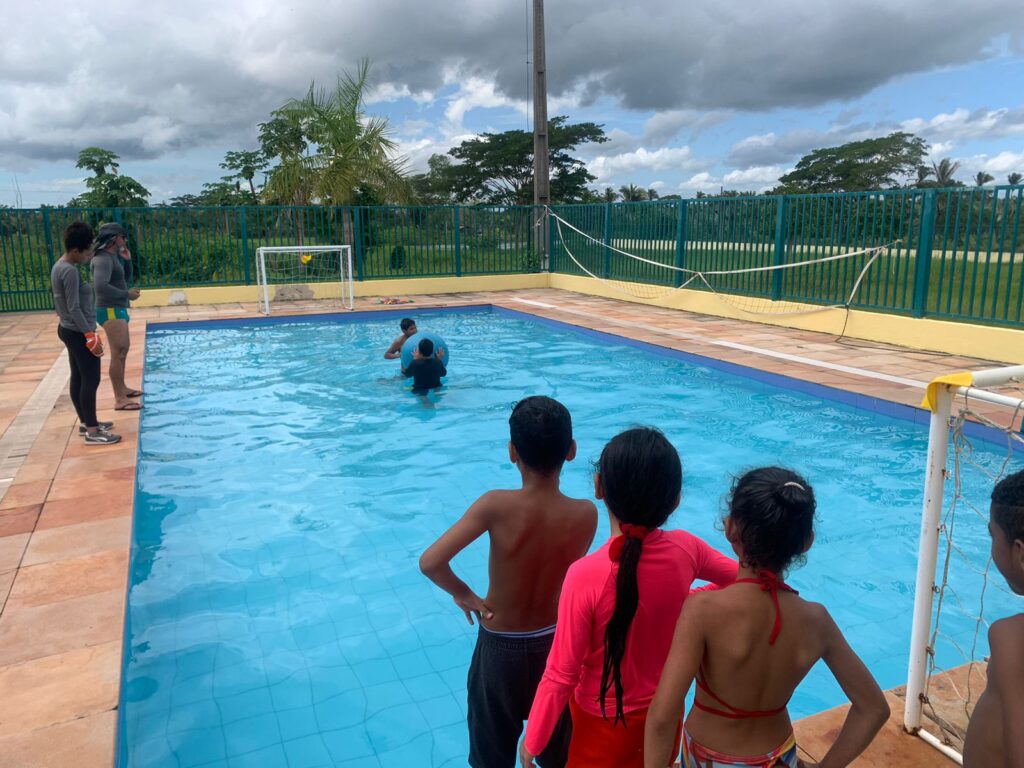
(624, 167)
(758, 178)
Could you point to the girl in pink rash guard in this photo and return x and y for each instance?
(618, 609)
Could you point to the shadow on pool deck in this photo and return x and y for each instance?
(65, 508)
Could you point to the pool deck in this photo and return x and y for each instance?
(65, 508)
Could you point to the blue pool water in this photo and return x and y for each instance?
(288, 481)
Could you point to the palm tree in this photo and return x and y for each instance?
(923, 172)
(945, 172)
(610, 195)
(631, 193)
(1014, 179)
(353, 152)
(652, 194)
(983, 178)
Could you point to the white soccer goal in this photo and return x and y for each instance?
(290, 273)
(949, 620)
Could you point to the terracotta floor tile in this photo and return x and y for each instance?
(19, 520)
(65, 579)
(45, 630)
(81, 509)
(55, 689)
(24, 494)
(91, 463)
(6, 582)
(73, 541)
(112, 483)
(12, 548)
(87, 742)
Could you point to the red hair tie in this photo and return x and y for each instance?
(629, 531)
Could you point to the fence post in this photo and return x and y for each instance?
(780, 248)
(458, 243)
(48, 237)
(357, 233)
(923, 258)
(244, 233)
(681, 241)
(551, 242)
(607, 239)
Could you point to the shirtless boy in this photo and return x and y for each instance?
(535, 533)
(995, 736)
(408, 326)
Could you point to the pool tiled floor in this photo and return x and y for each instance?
(65, 508)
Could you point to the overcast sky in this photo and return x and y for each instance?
(695, 95)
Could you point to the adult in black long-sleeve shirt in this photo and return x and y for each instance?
(426, 368)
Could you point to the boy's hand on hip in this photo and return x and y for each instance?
(525, 758)
(474, 604)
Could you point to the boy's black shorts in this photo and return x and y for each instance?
(503, 677)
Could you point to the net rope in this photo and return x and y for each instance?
(947, 598)
(751, 305)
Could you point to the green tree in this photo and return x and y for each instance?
(434, 187)
(857, 166)
(1014, 179)
(982, 178)
(107, 189)
(497, 168)
(652, 194)
(245, 164)
(609, 195)
(630, 193)
(227, 191)
(97, 160)
(945, 173)
(328, 148)
(924, 173)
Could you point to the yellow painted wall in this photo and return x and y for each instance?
(1000, 344)
(231, 294)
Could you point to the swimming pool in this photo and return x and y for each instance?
(288, 481)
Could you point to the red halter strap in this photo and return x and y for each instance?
(771, 584)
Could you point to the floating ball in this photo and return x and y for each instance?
(413, 342)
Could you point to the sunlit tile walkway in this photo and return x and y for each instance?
(65, 509)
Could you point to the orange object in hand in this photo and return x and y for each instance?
(94, 343)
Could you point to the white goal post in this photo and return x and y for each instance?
(293, 269)
(942, 393)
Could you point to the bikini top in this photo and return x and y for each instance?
(771, 584)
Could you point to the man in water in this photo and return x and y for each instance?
(408, 326)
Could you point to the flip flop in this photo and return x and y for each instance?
(133, 393)
(130, 407)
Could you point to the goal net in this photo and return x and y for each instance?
(974, 441)
(753, 290)
(299, 273)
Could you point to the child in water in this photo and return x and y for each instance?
(618, 608)
(749, 646)
(426, 368)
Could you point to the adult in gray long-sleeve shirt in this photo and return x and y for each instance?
(72, 298)
(111, 271)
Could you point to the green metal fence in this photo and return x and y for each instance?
(954, 253)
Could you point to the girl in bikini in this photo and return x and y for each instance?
(618, 607)
(748, 646)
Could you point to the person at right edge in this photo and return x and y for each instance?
(72, 298)
(111, 273)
